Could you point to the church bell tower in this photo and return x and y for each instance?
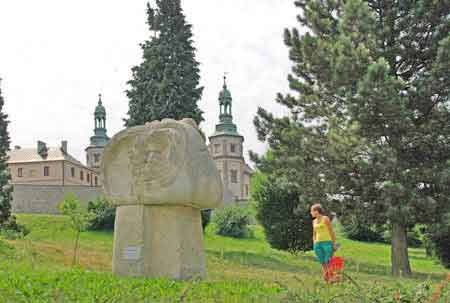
(226, 148)
(94, 151)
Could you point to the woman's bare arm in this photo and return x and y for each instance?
(314, 233)
(330, 230)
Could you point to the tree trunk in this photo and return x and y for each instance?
(75, 249)
(399, 251)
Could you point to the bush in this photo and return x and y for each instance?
(11, 230)
(104, 214)
(355, 227)
(437, 239)
(206, 217)
(232, 221)
(441, 244)
(284, 214)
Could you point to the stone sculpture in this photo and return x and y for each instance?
(159, 176)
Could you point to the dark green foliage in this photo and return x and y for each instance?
(287, 184)
(232, 221)
(371, 109)
(437, 241)
(206, 218)
(5, 187)
(12, 231)
(165, 84)
(284, 215)
(441, 245)
(414, 239)
(356, 228)
(104, 214)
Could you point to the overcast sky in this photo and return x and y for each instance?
(57, 56)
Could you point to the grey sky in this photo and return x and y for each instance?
(56, 56)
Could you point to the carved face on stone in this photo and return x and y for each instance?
(156, 157)
(161, 163)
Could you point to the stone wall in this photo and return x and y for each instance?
(45, 198)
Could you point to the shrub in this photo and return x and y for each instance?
(11, 230)
(437, 239)
(356, 228)
(284, 214)
(355, 225)
(104, 214)
(206, 218)
(232, 221)
(441, 244)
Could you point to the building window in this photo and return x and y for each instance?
(87, 159)
(246, 190)
(20, 172)
(233, 174)
(46, 171)
(72, 172)
(81, 175)
(220, 173)
(96, 181)
(216, 148)
(88, 178)
(233, 148)
(96, 158)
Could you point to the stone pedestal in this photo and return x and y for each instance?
(171, 246)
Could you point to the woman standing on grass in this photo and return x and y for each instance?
(323, 238)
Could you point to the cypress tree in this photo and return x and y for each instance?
(5, 177)
(165, 84)
(372, 86)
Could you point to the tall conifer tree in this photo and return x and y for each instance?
(371, 108)
(166, 83)
(5, 177)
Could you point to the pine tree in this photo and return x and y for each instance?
(5, 177)
(372, 88)
(165, 84)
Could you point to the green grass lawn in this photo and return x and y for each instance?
(38, 269)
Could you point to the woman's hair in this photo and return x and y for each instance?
(317, 207)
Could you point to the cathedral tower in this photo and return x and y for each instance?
(94, 151)
(226, 148)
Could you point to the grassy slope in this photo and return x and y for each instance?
(246, 266)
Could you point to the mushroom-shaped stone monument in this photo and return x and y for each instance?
(159, 176)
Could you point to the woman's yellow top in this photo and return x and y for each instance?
(322, 232)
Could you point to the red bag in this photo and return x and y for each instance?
(336, 266)
(337, 263)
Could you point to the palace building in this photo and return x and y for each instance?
(45, 165)
(49, 166)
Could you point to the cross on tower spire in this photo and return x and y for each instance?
(225, 80)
